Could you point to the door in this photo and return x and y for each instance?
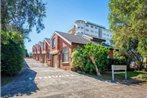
(55, 61)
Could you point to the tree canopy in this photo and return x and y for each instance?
(18, 17)
(22, 15)
(128, 22)
(129, 16)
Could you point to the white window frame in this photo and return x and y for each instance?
(63, 54)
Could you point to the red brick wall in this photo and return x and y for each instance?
(60, 44)
(111, 53)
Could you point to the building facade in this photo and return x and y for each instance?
(57, 51)
(46, 51)
(34, 52)
(81, 27)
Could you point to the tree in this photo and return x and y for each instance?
(142, 47)
(90, 55)
(18, 17)
(128, 21)
(26, 53)
(22, 15)
(12, 53)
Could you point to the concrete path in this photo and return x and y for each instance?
(38, 81)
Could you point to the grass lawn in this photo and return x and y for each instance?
(6, 79)
(121, 76)
(135, 74)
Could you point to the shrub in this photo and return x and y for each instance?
(90, 58)
(12, 53)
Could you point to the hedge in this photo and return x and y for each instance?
(12, 53)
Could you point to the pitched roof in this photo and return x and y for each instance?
(47, 39)
(73, 38)
(79, 39)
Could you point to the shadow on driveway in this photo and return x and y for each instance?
(23, 84)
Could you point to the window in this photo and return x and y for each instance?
(49, 56)
(87, 30)
(87, 25)
(81, 27)
(65, 53)
(78, 27)
(91, 30)
(91, 26)
(53, 43)
(95, 27)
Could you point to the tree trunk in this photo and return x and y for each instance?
(97, 70)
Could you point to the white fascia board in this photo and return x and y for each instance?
(47, 42)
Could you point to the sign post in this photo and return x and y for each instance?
(119, 68)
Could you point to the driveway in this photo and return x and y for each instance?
(38, 81)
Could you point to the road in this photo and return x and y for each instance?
(39, 81)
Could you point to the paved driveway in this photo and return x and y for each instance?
(38, 81)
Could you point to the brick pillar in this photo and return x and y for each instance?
(111, 53)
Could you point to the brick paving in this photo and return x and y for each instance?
(38, 81)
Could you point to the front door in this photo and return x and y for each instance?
(55, 61)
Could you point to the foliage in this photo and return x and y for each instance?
(129, 18)
(18, 17)
(142, 76)
(26, 53)
(118, 55)
(90, 58)
(118, 58)
(142, 47)
(12, 52)
(77, 57)
(22, 15)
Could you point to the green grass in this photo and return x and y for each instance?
(135, 73)
(121, 76)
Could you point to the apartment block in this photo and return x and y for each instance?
(81, 27)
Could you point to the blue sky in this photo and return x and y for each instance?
(61, 14)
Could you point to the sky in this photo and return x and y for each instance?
(61, 14)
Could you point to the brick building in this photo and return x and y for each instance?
(57, 51)
(45, 51)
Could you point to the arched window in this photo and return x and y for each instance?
(65, 54)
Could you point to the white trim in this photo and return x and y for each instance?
(54, 52)
(47, 42)
(87, 37)
(63, 38)
(65, 62)
(52, 36)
